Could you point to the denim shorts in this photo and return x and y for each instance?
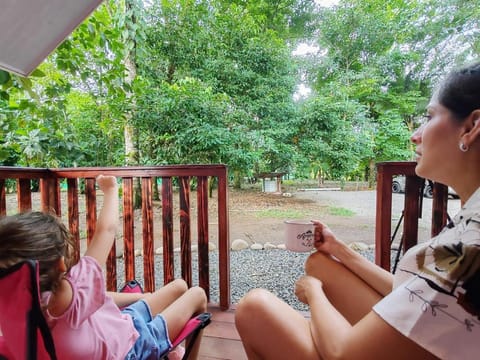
(153, 340)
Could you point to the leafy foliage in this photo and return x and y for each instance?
(214, 82)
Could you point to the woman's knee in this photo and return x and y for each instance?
(316, 264)
(256, 297)
(252, 303)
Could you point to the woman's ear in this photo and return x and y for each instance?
(472, 128)
(476, 117)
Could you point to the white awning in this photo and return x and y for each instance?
(31, 29)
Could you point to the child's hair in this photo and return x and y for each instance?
(36, 236)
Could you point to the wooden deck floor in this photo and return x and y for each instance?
(220, 338)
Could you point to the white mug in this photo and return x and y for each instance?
(299, 235)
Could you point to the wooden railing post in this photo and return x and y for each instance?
(223, 241)
(383, 220)
(414, 186)
(185, 230)
(49, 187)
(167, 221)
(203, 234)
(128, 228)
(412, 210)
(73, 214)
(3, 198)
(383, 217)
(439, 208)
(147, 231)
(91, 207)
(24, 195)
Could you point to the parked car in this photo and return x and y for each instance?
(398, 186)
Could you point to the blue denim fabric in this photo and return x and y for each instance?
(153, 341)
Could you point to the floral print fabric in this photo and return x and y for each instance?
(436, 296)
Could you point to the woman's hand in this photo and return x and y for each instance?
(324, 239)
(304, 287)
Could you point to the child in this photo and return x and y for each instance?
(84, 319)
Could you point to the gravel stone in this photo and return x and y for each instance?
(275, 270)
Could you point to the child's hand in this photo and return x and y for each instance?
(106, 182)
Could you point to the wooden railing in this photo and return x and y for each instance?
(182, 175)
(413, 195)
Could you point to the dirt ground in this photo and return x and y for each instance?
(259, 217)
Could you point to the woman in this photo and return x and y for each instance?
(431, 307)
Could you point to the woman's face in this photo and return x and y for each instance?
(437, 141)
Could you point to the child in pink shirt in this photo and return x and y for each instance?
(86, 322)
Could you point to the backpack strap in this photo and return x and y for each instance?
(37, 320)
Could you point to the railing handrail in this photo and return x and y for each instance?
(50, 199)
(158, 171)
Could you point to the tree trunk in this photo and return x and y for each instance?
(131, 150)
(372, 174)
(156, 191)
(237, 180)
(211, 185)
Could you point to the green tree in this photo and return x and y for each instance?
(333, 136)
(385, 57)
(36, 109)
(220, 46)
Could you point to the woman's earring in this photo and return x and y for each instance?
(463, 147)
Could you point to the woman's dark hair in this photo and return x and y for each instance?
(460, 91)
(36, 236)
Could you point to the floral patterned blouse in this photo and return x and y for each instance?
(436, 293)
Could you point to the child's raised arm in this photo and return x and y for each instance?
(107, 222)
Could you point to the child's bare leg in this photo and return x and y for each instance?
(271, 329)
(165, 296)
(350, 295)
(192, 302)
(177, 313)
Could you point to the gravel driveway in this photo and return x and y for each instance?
(358, 227)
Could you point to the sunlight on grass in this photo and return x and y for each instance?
(283, 214)
(299, 214)
(339, 211)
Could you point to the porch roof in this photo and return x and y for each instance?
(31, 30)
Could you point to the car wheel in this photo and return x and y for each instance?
(428, 192)
(396, 188)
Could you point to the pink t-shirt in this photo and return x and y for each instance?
(92, 327)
